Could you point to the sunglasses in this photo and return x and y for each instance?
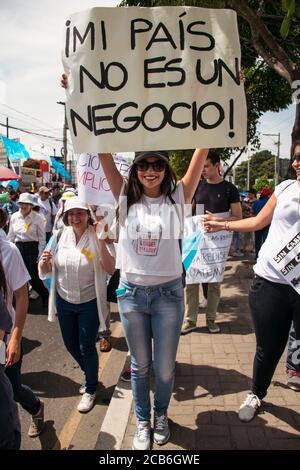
(158, 165)
(296, 157)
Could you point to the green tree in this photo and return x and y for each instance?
(269, 34)
(261, 164)
(263, 182)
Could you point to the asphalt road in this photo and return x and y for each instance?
(55, 378)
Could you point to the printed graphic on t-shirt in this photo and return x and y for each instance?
(147, 240)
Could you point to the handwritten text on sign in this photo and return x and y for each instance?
(286, 257)
(93, 187)
(210, 260)
(154, 78)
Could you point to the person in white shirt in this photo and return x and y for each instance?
(79, 264)
(17, 277)
(27, 231)
(48, 209)
(274, 303)
(150, 294)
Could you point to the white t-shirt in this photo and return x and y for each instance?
(148, 250)
(15, 271)
(28, 229)
(286, 214)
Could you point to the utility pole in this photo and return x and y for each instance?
(7, 135)
(65, 128)
(248, 169)
(277, 156)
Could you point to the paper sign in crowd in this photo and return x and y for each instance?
(154, 79)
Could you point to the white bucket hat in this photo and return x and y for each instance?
(26, 198)
(75, 203)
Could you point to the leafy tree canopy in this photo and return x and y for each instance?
(270, 42)
(261, 165)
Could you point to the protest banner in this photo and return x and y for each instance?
(209, 263)
(93, 187)
(286, 257)
(192, 240)
(153, 79)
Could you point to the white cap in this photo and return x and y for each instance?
(26, 198)
(75, 203)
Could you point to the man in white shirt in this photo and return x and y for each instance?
(48, 209)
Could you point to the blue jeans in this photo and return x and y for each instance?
(237, 242)
(152, 313)
(273, 307)
(79, 325)
(22, 394)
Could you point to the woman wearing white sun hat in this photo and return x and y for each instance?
(79, 265)
(27, 231)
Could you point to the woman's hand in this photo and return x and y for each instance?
(46, 262)
(64, 82)
(213, 226)
(13, 352)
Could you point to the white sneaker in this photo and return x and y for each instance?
(86, 402)
(249, 408)
(203, 304)
(141, 440)
(161, 433)
(33, 295)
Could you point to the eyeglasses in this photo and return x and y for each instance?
(296, 157)
(158, 165)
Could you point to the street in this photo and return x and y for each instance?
(55, 378)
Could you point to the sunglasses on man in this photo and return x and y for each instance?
(296, 157)
(158, 165)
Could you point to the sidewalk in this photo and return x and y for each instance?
(213, 374)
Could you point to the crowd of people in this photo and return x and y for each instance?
(59, 245)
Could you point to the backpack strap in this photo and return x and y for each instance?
(181, 219)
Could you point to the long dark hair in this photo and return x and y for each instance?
(3, 284)
(291, 173)
(134, 189)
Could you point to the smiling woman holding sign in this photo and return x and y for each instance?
(150, 294)
(274, 294)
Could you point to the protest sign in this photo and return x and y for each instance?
(154, 79)
(209, 263)
(193, 238)
(286, 257)
(93, 187)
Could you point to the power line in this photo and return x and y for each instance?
(31, 133)
(27, 115)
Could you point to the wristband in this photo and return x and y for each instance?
(226, 226)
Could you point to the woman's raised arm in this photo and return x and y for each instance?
(191, 179)
(114, 177)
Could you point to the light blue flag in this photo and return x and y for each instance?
(15, 150)
(51, 245)
(59, 168)
(13, 183)
(190, 247)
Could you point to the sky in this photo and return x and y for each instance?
(31, 37)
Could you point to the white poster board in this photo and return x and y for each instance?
(154, 79)
(286, 257)
(93, 186)
(210, 260)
